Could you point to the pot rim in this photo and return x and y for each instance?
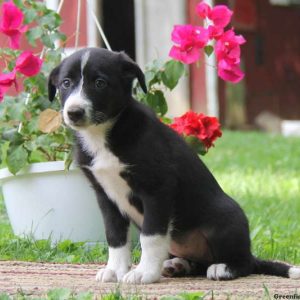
(36, 168)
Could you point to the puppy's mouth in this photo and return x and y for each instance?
(98, 117)
(80, 119)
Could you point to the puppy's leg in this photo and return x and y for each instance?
(116, 229)
(155, 240)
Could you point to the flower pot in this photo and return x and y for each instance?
(45, 201)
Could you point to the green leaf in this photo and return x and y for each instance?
(47, 41)
(33, 34)
(30, 15)
(173, 71)
(16, 159)
(19, 3)
(13, 136)
(196, 144)
(208, 50)
(157, 102)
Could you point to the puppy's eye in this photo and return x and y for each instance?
(100, 83)
(66, 83)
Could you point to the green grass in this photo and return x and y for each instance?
(67, 294)
(262, 172)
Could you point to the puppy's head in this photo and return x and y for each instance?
(94, 86)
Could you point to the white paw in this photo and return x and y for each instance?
(106, 275)
(294, 273)
(138, 276)
(218, 272)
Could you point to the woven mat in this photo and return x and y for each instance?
(36, 279)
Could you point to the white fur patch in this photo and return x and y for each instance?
(77, 98)
(154, 252)
(218, 272)
(106, 168)
(294, 273)
(84, 60)
(119, 262)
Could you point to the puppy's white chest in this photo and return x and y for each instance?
(106, 168)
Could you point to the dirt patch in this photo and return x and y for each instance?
(38, 278)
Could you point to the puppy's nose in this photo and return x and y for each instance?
(76, 114)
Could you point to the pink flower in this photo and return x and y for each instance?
(220, 15)
(215, 32)
(189, 40)
(229, 72)
(10, 24)
(203, 10)
(228, 47)
(6, 81)
(28, 64)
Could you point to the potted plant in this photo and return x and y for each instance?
(42, 198)
(36, 146)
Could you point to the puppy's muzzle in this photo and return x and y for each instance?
(76, 114)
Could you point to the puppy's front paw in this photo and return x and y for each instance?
(106, 275)
(138, 276)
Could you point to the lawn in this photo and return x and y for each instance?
(262, 172)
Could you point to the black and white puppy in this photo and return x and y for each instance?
(143, 172)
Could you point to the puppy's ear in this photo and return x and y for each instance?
(52, 83)
(131, 71)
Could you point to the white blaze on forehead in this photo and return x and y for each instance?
(77, 98)
(84, 60)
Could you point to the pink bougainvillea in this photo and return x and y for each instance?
(6, 81)
(11, 23)
(220, 15)
(189, 40)
(28, 64)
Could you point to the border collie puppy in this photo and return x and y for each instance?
(143, 172)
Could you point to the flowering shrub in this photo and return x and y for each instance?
(190, 39)
(29, 128)
(199, 131)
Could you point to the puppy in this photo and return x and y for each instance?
(143, 172)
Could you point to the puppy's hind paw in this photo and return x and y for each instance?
(106, 275)
(219, 272)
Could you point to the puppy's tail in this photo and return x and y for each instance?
(275, 268)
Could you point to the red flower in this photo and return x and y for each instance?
(28, 64)
(11, 23)
(204, 128)
(6, 81)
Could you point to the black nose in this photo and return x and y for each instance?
(75, 114)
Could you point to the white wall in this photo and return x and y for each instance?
(154, 20)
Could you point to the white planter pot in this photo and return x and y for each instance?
(45, 201)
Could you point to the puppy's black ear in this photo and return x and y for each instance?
(52, 83)
(132, 70)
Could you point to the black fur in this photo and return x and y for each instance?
(167, 179)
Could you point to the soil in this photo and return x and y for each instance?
(35, 279)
